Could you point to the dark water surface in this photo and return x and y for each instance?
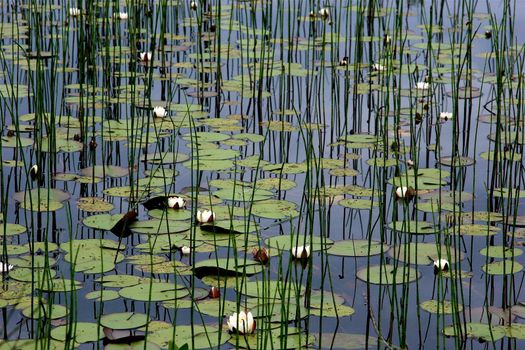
(317, 147)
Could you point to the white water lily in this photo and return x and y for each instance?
(145, 56)
(205, 216)
(404, 192)
(401, 191)
(74, 12)
(444, 116)
(301, 252)
(378, 67)
(324, 12)
(193, 5)
(422, 85)
(185, 250)
(121, 15)
(387, 39)
(5, 267)
(33, 172)
(159, 111)
(176, 202)
(242, 323)
(441, 265)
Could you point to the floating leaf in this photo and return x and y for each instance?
(357, 248)
(123, 320)
(388, 274)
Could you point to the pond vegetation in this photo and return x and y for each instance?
(261, 174)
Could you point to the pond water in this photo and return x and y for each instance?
(347, 173)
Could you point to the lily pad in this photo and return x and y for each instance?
(388, 274)
(357, 248)
(124, 320)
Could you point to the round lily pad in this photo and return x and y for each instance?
(124, 320)
(440, 307)
(388, 274)
(275, 209)
(286, 242)
(500, 252)
(502, 267)
(156, 291)
(83, 332)
(94, 204)
(480, 331)
(357, 248)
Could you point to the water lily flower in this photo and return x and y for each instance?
(378, 67)
(422, 85)
(324, 12)
(176, 202)
(301, 252)
(441, 265)
(312, 14)
(159, 112)
(344, 61)
(214, 293)
(74, 12)
(444, 116)
(193, 5)
(5, 267)
(205, 216)
(405, 192)
(145, 56)
(121, 15)
(33, 172)
(185, 250)
(410, 163)
(488, 34)
(242, 323)
(260, 255)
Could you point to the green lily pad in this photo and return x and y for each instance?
(332, 311)
(388, 274)
(275, 209)
(500, 252)
(440, 307)
(502, 267)
(8, 229)
(243, 194)
(119, 281)
(475, 230)
(52, 312)
(286, 242)
(159, 227)
(102, 295)
(94, 205)
(480, 331)
(357, 248)
(357, 203)
(83, 332)
(170, 214)
(275, 183)
(413, 227)
(156, 291)
(515, 330)
(123, 320)
(424, 253)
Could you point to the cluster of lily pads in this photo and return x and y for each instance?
(166, 165)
